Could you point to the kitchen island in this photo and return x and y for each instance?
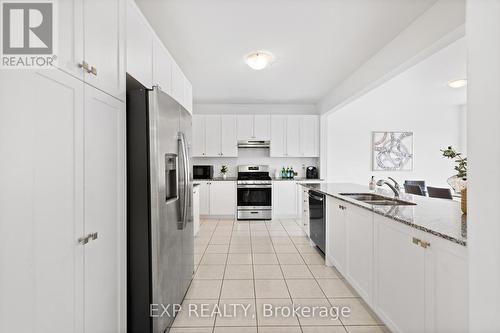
(408, 262)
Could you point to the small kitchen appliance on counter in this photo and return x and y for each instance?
(203, 171)
(312, 172)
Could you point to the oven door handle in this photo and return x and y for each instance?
(254, 186)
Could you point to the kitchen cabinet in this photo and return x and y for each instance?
(177, 83)
(214, 136)
(229, 141)
(309, 136)
(223, 198)
(196, 210)
(91, 43)
(188, 95)
(262, 126)
(294, 136)
(141, 62)
(254, 127)
(278, 136)
(104, 30)
(399, 276)
(204, 198)
(198, 149)
(285, 199)
(162, 67)
(73, 178)
(104, 211)
(336, 234)
(304, 197)
(414, 281)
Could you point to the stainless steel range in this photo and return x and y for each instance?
(254, 193)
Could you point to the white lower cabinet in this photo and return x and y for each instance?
(218, 198)
(304, 197)
(284, 199)
(415, 281)
(68, 165)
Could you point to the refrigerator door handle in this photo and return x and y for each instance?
(185, 158)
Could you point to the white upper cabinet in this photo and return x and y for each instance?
(177, 83)
(245, 127)
(229, 142)
(293, 136)
(198, 136)
(188, 95)
(262, 127)
(309, 136)
(70, 37)
(139, 46)
(278, 136)
(104, 45)
(162, 67)
(212, 135)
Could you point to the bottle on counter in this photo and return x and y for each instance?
(283, 173)
(372, 184)
(292, 173)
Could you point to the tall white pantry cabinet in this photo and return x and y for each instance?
(63, 197)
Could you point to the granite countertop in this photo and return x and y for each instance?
(297, 179)
(216, 179)
(440, 217)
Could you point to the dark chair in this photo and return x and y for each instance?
(439, 192)
(413, 189)
(420, 183)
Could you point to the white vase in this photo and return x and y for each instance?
(224, 176)
(457, 184)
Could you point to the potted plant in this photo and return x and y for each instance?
(458, 181)
(223, 171)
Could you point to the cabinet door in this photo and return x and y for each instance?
(41, 206)
(177, 83)
(284, 199)
(262, 127)
(104, 46)
(304, 197)
(399, 277)
(245, 127)
(278, 136)
(204, 189)
(188, 95)
(139, 46)
(70, 37)
(105, 180)
(229, 141)
(162, 67)
(293, 136)
(447, 284)
(337, 248)
(359, 237)
(223, 198)
(212, 136)
(198, 136)
(309, 136)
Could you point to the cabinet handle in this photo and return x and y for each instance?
(93, 70)
(416, 241)
(93, 235)
(424, 244)
(83, 240)
(84, 65)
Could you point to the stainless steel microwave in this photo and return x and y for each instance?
(203, 171)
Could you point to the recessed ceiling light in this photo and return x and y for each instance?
(457, 83)
(259, 60)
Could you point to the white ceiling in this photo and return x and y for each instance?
(317, 43)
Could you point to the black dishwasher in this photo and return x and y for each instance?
(317, 216)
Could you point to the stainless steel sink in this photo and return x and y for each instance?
(375, 199)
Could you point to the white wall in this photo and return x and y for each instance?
(483, 140)
(418, 100)
(258, 156)
(255, 109)
(440, 25)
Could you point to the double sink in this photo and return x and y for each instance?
(375, 199)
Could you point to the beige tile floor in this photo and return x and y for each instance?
(266, 262)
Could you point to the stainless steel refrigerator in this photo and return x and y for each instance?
(160, 211)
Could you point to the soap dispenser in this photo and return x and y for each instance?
(372, 184)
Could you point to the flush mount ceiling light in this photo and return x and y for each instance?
(259, 60)
(457, 83)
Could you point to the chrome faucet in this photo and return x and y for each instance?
(394, 189)
(396, 184)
